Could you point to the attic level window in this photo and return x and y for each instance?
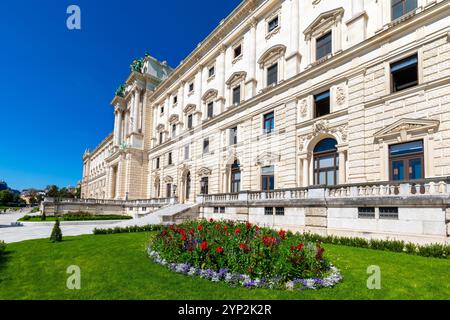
(404, 73)
(210, 110)
(238, 51)
(175, 99)
(273, 24)
(237, 95)
(174, 130)
(401, 7)
(191, 87)
(211, 72)
(162, 110)
(161, 137)
(272, 75)
(322, 104)
(190, 121)
(323, 46)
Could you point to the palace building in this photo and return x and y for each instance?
(312, 115)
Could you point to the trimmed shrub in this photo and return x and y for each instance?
(133, 229)
(26, 218)
(56, 235)
(2, 248)
(434, 250)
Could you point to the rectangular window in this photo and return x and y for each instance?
(273, 24)
(144, 209)
(169, 160)
(268, 179)
(210, 110)
(206, 145)
(157, 163)
(272, 75)
(389, 213)
(237, 51)
(401, 7)
(322, 104)
(222, 210)
(323, 46)
(186, 152)
(216, 209)
(407, 161)
(174, 130)
(190, 121)
(268, 211)
(211, 72)
(162, 110)
(269, 122)
(405, 73)
(191, 87)
(204, 185)
(175, 99)
(366, 213)
(169, 191)
(161, 137)
(233, 136)
(237, 95)
(279, 211)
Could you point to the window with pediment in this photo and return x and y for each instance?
(271, 64)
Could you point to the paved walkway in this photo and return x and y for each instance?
(31, 231)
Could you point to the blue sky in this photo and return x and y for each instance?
(56, 84)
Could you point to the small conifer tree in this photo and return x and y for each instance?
(56, 235)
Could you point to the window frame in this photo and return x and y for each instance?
(276, 74)
(393, 87)
(206, 144)
(233, 140)
(330, 42)
(316, 107)
(190, 121)
(210, 110)
(233, 95)
(406, 158)
(404, 12)
(272, 121)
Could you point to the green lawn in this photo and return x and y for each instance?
(117, 267)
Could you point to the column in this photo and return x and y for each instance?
(200, 89)
(181, 100)
(305, 167)
(251, 83)
(116, 128)
(135, 111)
(295, 27)
(342, 167)
(120, 128)
(357, 7)
(221, 77)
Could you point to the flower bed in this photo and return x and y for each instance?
(243, 254)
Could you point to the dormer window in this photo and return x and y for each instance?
(323, 46)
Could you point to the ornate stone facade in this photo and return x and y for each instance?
(211, 116)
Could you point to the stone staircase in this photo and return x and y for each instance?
(171, 214)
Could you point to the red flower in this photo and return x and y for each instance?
(257, 228)
(268, 241)
(219, 249)
(243, 246)
(182, 231)
(225, 227)
(172, 227)
(164, 233)
(217, 227)
(300, 247)
(211, 220)
(282, 234)
(192, 231)
(249, 225)
(200, 228)
(184, 238)
(238, 230)
(204, 246)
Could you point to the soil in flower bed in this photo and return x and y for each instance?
(243, 254)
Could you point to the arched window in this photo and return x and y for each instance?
(236, 177)
(326, 163)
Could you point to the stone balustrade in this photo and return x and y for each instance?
(129, 203)
(424, 188)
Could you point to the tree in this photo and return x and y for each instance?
(52, 191)
(7, 197)
(56, 235)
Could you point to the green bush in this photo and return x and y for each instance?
(26, 218)
(2, 248)
(435, 250)
(132, 229)
(56, 235)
